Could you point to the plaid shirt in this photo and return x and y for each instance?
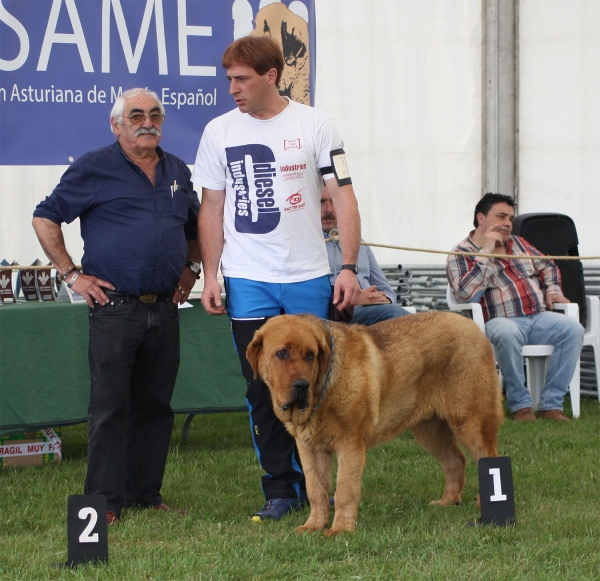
(504, 288)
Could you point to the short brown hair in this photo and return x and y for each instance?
(261, 53)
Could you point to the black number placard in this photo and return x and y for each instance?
(86, 529)
(496, 491)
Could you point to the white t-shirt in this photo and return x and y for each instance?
(270, 173)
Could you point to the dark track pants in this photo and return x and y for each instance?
(250, 305)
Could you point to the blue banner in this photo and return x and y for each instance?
(64, 62)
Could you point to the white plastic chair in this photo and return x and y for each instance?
(536, 357)
(592, 334)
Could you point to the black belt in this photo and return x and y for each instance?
(149, 298)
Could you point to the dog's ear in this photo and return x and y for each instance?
(324, 352)
(253, 352)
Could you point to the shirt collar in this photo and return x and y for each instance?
(470, 240)
(161, 154)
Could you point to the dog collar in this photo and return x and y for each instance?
(326, 384)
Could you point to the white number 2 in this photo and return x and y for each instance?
(85, 536)
(497, 496)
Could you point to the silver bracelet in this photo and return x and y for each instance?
(75, 277)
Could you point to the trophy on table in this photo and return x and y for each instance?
(9, 283)
(43, 282)
(27, 279)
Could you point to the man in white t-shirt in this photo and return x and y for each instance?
(261, 168)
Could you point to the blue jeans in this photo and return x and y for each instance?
(134, 358)
(508, 335)
(371, 314)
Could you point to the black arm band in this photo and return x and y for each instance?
(340, 167)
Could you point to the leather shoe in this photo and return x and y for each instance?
(524, 415)
(111, 518)
(556, 415)
(164, 508)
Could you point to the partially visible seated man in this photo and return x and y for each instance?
(517, 298)
(377, 298)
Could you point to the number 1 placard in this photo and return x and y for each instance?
(86, 529)
(496, 491)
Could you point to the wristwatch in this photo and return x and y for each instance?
(352, 267)
(195, 268)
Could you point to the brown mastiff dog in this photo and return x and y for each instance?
(344, 388)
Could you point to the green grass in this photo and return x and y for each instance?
(556, 471)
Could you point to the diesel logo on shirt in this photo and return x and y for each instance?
(253, 175)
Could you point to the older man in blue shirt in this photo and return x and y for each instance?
(377, 298)
(138, 212)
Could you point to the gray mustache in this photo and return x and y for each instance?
(147, 131)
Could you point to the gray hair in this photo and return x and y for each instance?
(119, 106)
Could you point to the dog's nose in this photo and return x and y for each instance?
(300, 386)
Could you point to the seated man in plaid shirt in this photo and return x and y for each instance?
(516, 296)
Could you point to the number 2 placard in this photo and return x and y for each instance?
(496, 491)
(86, 529)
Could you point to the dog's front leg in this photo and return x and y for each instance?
(351, 464)
(317, 466)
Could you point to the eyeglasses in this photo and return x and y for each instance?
(139, 118)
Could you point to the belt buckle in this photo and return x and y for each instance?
(148, 298)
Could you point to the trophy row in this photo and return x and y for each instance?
(34, 284)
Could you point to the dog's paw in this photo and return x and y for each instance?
(333, 532)
(341, 525)
(442, 502)
(303, 530)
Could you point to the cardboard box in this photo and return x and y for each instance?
(31, 448)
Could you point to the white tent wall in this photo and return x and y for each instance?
(22, 188)
(559, 116)
(403, 80)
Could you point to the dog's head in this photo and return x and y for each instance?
(291, 353)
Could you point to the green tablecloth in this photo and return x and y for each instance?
(44, 374)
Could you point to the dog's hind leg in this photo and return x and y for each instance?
(479, 436)
(437, 438)
(479, 440)
(478, 430)
(474, 400)
(317, 466)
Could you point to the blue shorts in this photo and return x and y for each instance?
(247, 299)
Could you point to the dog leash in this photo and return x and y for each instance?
(334, 237)
(326, 384)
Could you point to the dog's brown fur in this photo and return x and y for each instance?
(432, 373)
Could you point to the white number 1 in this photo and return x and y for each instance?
(497, 496)
(85, 536)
